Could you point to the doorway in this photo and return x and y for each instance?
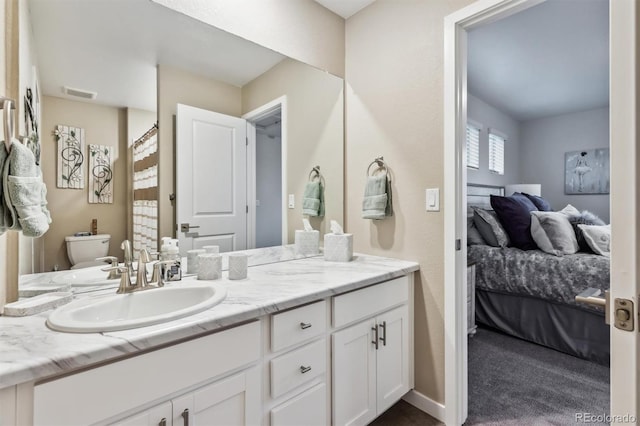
(268, 199)
(624, 393)
(267, 174)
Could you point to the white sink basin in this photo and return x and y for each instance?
(93, 276)
(138, 309)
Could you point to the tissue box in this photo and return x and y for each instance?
(307, 243)
(338, 247)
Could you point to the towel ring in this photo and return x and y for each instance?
(8, 105)
(315, 170)
(381, 165)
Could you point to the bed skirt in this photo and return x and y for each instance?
(568, 329)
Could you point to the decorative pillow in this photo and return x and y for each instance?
(489, 228)
(553, 233)
(585, 218)
(474, 238)
(514, 213)
(569, 210)
(540, 203)
(598, 237)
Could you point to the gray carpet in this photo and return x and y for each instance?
(513, 382)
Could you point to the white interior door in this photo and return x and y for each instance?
(211, 179)
(625, 345)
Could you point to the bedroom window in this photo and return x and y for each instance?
(473, 145)
(496, 152)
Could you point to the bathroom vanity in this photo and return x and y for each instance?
(303, 341)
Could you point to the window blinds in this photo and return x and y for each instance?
(496, 153)
(473, 146)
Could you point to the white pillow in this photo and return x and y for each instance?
(570, 211)
(553, 233)
(598, 237)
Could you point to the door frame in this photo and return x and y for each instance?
(252, 117)
(624, 178)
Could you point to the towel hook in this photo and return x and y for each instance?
(315, 170)
(379, 161)
(8, 105)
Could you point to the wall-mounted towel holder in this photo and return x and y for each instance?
(379, 161)
(8, 120)
(315, 173)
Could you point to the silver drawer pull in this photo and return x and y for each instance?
(305, 325)
(304, 369)
(185, 417)
(163, 422)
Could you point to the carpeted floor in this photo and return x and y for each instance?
(513, 382)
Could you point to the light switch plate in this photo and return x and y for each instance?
(292, 201)
(433, 199)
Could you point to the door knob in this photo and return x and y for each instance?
(591, 296)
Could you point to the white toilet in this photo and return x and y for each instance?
(83, 251)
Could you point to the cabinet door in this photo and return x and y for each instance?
(354, 375)
(160, 415)
(235, 400)
(392, 357)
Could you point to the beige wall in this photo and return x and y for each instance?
(394, 107)
(70, 209)
(177, 86)
(314, 132)
(300, 29)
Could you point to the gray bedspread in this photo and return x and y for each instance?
(538, 274)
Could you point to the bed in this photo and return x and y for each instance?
(530, 294)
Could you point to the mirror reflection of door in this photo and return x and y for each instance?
(215, 184)
(211, 178)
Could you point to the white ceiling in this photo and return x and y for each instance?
(547, 60)
(113, 46)
(345, 8)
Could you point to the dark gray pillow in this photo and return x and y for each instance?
(473, 235)
(490, 228)
(583, 218)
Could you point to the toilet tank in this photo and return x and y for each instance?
(86, 249)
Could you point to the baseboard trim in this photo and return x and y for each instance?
(426, 404)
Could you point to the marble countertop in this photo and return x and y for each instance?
(30, 351)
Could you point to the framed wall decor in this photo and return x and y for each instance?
(70, 156)
(587, 172)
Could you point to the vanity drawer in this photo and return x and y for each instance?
(369, 301)
(297, 367)
(309, 409)
(298, 325)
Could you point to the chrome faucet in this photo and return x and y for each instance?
(128, 257)
(142, 282)
(114, 272)
(141, 277)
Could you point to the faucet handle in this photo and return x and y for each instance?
(125, 279)
(156, 277)
(114, 273)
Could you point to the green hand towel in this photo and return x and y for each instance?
(377, 197)
(313, 199)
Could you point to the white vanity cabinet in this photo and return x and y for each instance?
(372, 359)
(341, 359)
(124, 390)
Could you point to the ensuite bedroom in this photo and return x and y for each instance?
(538, 233)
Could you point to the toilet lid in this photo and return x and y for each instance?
(89, 264)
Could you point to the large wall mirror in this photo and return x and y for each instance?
(113, 69)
